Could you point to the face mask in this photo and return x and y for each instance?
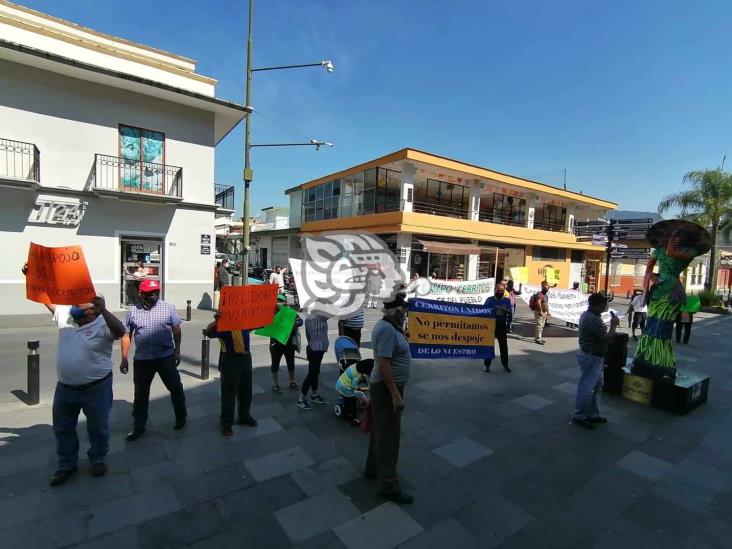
(544, 291)
(150, 299)
(77, 312)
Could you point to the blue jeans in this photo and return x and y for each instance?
(96, 403)
(589, 386)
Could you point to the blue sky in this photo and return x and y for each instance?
(626, 96)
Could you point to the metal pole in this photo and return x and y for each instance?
(608, 251)
(205, 347)
(248, 173)
(188, 310)
(34, 373)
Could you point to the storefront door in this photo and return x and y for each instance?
(141, 258)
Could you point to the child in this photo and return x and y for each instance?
(350, 386)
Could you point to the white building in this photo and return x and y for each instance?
(107, 144)
(275, 234)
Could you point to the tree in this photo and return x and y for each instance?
(709, 203)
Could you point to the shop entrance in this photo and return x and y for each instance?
(141, 258)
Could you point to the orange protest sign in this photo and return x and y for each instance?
(58, 276)
(246, 307)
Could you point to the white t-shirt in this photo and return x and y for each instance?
(84, 352)
(637, 304)
(277, 278)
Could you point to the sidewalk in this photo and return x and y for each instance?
(490, 459)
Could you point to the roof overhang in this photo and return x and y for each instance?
(227, 114)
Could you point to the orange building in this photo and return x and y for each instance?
(457, 220)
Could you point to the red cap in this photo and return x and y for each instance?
(148, 285)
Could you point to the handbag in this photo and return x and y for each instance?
(366, 420)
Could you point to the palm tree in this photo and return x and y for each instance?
(709, 203)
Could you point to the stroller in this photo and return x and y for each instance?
(347, 353)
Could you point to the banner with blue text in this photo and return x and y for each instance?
(440, 329)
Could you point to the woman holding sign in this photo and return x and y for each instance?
(278, 349)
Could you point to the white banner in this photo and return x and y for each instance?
(566, 305)
(465, 291)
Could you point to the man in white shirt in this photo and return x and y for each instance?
(277, 278)
(84, 368)
(640, 311)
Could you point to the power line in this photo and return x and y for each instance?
(281, 124)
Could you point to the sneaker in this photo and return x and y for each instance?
(134, 434)
(585, 423)
(303, 404)
(61, 476)
(487, 369)
(507, 368)
(276, 389)
(179, 424)
(598, 419)
(317, 399)
(294, 386)
(99, 469)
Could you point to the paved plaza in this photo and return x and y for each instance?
(491, 459)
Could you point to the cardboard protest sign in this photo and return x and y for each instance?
(438, 329)
(246, 307)
(281, 326)
(520, 275)
(58, 276)
(552, 276)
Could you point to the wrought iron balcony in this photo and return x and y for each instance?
(111, 174)
(441, 210)
(224, 196)
(19, 162)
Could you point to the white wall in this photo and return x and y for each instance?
(70, 120)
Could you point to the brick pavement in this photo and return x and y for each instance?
(490, 458)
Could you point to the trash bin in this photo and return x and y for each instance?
(615, 357)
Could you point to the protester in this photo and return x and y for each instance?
(352, 325)
(235, 367)
(512, 295)
(502, 305)
(351, 385)
(593, 340)
(539, 303)
(276, 277)
(84, 370)
(639, 311)
(390, 375)
(316, 330)
(225, 278)
(277, 350)
(684, 320)
(155, 327)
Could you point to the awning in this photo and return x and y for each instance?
(450, 248)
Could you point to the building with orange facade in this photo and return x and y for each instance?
(456, 220)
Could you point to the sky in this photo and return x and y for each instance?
(626, 96)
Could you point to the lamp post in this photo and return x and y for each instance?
(248, 172)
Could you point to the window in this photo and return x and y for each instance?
(578, 256)
(550, 218)
(507, 210)
(543, 253)
(143, 158)
(369, 191)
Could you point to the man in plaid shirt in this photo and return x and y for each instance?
(155, 327)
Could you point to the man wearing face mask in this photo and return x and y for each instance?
(392, 363)
(84, 368)
(540, 305)
(155, 327)
(502, 305)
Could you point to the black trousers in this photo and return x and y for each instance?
(143, 374)
(687, 331)
(385, 436)
(315, 359)
(639, 320)
(277, 351)
(502, 339)
(350, 407)
(236, 386)
(353, 333)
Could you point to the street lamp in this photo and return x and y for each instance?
(248, 172)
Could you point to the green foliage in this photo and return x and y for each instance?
(709, 298)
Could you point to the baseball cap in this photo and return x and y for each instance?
(148, 286)
(281, 298)
(399, 300)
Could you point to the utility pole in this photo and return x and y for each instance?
(248, 173)
(608, 251)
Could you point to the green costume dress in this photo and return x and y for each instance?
(654, 356)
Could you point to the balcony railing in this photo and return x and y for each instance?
(502, 218)
(110, 173)
(556, 226)
(438, 209)
(224, 196)
(19, 160)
